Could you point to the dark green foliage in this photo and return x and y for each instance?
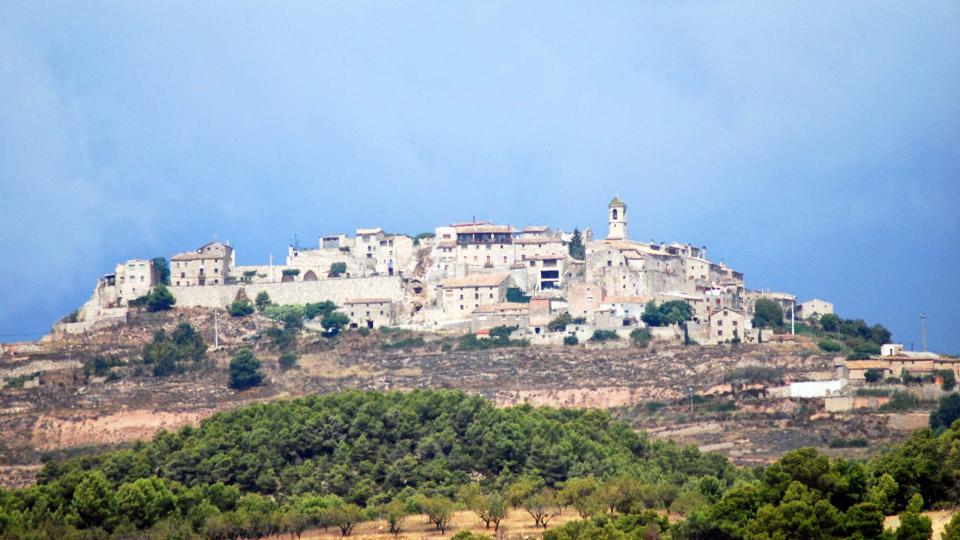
(162, 268)
(287, 360)
(171, 354)
(410, 342)
(570, 339)
(337, 269)
(767, 314)
(291, 272)
(244, 370)
(900, 401)
(576, 248)
(873, 375)
(830, 322)
(100, 365)
(158, 299)
(334, 322)
(947, 412)
(828, 345)
(848, 443)
(499, 337)
(672, 312)
(641, 337)
(949, 379)
(560, 322)
(318, 309)
(262, 301)
(515, 294)
(241, 307)
(338, 459)
(604, 335)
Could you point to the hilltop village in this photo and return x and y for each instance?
(470, 277)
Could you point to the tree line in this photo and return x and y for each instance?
(337, 460)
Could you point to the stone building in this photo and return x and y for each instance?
(134, 279)
(814, 308)
(489, 316)
(210, 264)
(369, 312)
(726, 325)
(461, 296)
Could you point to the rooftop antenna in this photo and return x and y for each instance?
(923, 332)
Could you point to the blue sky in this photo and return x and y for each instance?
(815, 147)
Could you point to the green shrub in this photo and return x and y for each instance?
(900, 401)
(515, 294)
(641, 337)
(263, 301)
(848, 443)
(829, 345)
(287, 360)
(337, 269)
(604, 335)
(559, 323)
(241, 307)
(245, 370)
(411, 342)
(570, 339)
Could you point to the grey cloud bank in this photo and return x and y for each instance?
(816, 148)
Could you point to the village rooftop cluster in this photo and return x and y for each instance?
(471, 277)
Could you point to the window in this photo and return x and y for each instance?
(533, 263)
(476, 296)
(461, 307)
(719, 332)
(491, 295)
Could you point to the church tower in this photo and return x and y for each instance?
(617, 217)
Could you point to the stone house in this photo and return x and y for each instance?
(369, 312)
(134, 279)
(814, 308)
(210, 264)
(459, 297)
(727, 324)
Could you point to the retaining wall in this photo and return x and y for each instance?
(293, 292)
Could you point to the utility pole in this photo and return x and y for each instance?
(216, 328)
(923, 332)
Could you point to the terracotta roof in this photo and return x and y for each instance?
(375, 230)
(350, 301)
(194, 256)
(867, 364)
(505, 307)
(476, 280)
(481, 229)
(535, 228)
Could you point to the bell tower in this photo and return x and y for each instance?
(617, 219)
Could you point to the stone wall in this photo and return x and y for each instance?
(295, 292)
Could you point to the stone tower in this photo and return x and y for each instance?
(617, 217)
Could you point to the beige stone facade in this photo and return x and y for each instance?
(134, 279)
(369, 312)
(208, 265)
(461, 296)
(727, 325)
(814, 308)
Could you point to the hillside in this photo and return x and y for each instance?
(339, 460)
(65, 404)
